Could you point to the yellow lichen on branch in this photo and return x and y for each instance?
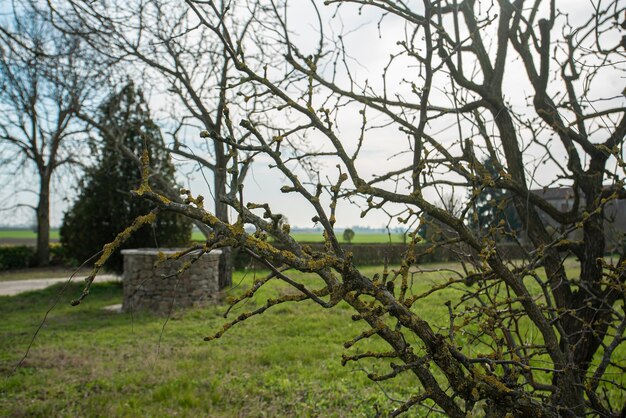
(109, 248)
(145, 174)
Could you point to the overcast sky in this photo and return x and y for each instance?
(369, 49)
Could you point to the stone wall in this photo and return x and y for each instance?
(155, 286)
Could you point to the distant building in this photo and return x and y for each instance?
(562, 198)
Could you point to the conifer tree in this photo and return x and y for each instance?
(494, 207)
(105, 206)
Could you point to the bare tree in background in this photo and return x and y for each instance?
(191, 69)
(528, 337)
(42, 87)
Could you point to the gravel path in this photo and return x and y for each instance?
(14, 287)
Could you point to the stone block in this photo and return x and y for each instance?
(150, 284)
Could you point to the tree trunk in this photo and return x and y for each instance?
(221, 211)
(570, 397)
(42, 256)
(226, 268)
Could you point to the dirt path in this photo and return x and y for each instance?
(14, 287)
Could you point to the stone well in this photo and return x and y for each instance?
(153, 286)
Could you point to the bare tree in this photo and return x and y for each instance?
(43, 86)
(189, 67)
(528, 337)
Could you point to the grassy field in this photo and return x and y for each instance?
(286, 362)
(87, 362)
(312, 237)
(358, 238)
(25, 234)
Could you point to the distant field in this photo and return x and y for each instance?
(25, 233)
(27, 236)
(311, 237)
(23, 236)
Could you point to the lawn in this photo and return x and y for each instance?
(87, 362)
(286, 362)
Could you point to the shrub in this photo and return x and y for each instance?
(60, 256)
(348, 235)
(16, 256)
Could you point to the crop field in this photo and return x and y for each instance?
(359, 238)
(27, 236)
(25, 233)
(286, 362)
(23, 236)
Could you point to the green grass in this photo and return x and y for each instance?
(86, 362)
(358, 238)
(197, 236)
(286, 362)
(25, 234)
(311, 237)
